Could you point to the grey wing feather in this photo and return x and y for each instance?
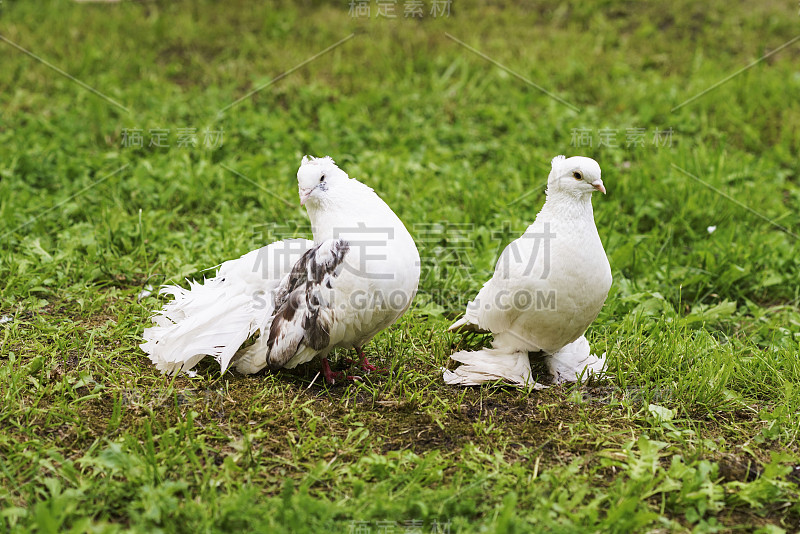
(302, 314)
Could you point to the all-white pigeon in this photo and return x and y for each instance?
(301, 298)
(548, 287)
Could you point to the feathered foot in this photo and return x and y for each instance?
(491, 365)
(574, 361)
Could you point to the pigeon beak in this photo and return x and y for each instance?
(304, 194)
(598, 185)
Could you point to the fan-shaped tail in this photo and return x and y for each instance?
(211, 319)
(215, 317)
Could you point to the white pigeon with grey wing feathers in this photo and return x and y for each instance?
(548, 287)
(357, 277)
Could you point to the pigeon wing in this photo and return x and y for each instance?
(304, 307)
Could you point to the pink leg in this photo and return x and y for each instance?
(366, 366)
(332, 376)
(328, 373)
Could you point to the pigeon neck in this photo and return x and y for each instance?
(569, 204)
(343, 211)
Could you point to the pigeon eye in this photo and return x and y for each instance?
(577, 175)
(322, 178)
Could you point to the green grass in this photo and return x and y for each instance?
(697, 428)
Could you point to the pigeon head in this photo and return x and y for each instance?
(577, 175)
(316, 177)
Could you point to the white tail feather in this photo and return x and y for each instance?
(253, 358)
(212, 319)
(468, 323)
(216, 317)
